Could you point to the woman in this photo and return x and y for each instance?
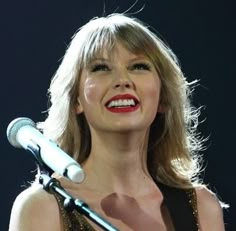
(120, 106)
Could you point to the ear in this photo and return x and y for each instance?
(78, 107)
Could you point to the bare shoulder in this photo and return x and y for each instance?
(34, 209)
(209, 210)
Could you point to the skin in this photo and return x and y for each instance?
(117, 185)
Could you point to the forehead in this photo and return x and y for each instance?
(118, 51)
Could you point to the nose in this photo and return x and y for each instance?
(123, 81)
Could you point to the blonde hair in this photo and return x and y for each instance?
(173, 142)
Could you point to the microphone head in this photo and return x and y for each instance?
(15, 126)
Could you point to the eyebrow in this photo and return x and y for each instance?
(136, 58)
(99, 59)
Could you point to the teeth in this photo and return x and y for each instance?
(121, 103)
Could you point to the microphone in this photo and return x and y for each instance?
(22, 133)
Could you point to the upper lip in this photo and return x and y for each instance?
(122, 96)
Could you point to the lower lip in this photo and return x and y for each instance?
(123, 109)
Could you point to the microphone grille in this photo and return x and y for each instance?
(15, 126)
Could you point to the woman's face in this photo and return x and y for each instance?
(119, 92)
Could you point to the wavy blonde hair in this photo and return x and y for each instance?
(173, 141)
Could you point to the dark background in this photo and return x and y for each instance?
(34, 36)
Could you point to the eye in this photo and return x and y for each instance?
(100, 67)
(141, 66)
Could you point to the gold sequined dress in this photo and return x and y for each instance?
(182, 205)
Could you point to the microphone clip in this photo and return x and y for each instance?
(36, 151)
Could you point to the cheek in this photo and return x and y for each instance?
(153, 89)
(154, 92)
(151, 94)
(89, 92)
(153, 98)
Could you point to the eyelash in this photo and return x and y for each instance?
(141, 66)
(136, 66)
(100, 67)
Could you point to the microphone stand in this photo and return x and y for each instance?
(51, 184)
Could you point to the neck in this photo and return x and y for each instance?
(117, 162)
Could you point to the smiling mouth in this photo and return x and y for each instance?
(120, 105)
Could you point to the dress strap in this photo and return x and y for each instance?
(182, 206)
(72, 220)
(192, 195)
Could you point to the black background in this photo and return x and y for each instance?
(34, 36)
